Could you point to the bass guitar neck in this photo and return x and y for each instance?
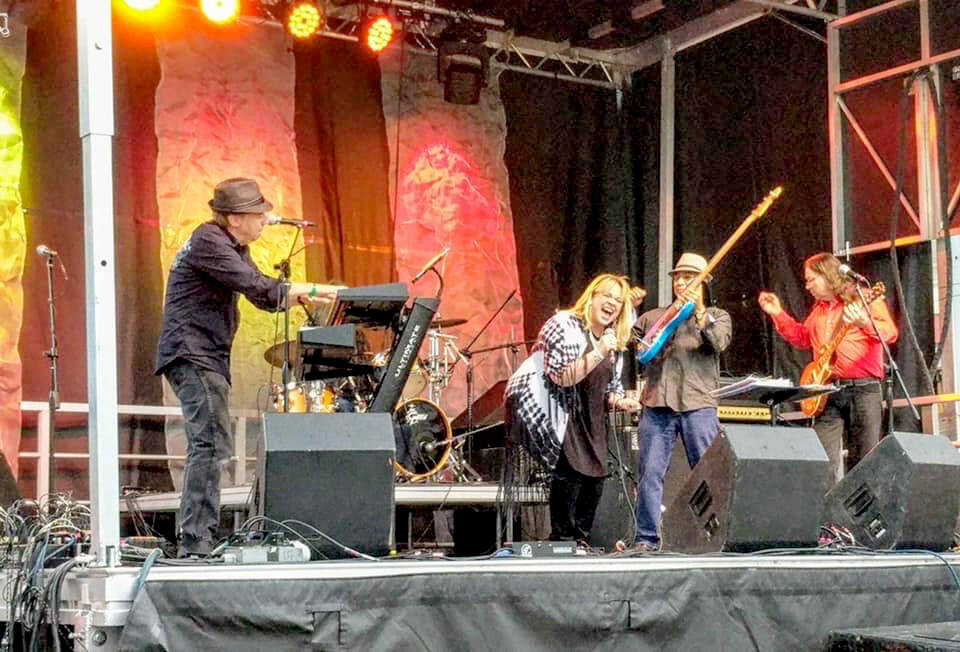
(680, 310)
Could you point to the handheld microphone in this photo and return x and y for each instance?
(849, 273)
(430, 263)
(276, 219)
(610, 331)
(44, 250)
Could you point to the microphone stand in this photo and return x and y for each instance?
(466, 354)
(53, 400)
(894, 370)
(284, 268)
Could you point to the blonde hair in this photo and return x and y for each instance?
(623, 324)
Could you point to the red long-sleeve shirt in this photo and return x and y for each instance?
(859, 354)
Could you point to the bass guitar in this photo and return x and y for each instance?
(680, 310)
(818, 372)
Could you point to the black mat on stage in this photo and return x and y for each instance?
(580, 604)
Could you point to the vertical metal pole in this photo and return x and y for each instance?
(838, 199)
(95, 59)
(668, 84)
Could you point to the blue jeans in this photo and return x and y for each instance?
(659, 428)
(203, 398)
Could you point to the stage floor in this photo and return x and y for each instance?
(655, 602)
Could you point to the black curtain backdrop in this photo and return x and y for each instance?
(572, 190)
(752, 114)
(344, 163)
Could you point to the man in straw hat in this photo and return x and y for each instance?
(676, 396)
(200, 318)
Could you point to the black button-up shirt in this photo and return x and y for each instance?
(200, 314)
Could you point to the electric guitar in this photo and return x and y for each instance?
(818, 372)
(680, 310)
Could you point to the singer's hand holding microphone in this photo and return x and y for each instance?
(608, 343)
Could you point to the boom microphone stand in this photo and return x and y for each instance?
(892, 366)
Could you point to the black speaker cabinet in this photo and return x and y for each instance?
(905, 493)
(334, 472)
(756, 487)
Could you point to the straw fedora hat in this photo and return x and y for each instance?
(691, 262)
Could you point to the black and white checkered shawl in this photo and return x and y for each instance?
(542, 407)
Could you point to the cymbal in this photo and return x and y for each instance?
(507, 345)
(447, 323)
(274, 354)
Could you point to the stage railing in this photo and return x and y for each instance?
(42, 409)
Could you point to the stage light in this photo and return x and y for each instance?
(220, 11)
(142, 5)
(462, 63)
(378, 33)
(304, 19)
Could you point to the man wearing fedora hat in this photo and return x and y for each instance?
(200, 319)
(676, 395)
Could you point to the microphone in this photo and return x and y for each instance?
(845, 270)
(44, 250)
(609, 331)
(276, 219)
(430, 263)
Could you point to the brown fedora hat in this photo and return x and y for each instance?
(239, 195)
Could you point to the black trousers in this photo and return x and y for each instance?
(573, 502)
(853, 418)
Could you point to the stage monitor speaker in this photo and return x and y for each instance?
(756, 487)
(334, 472)
(903, 494)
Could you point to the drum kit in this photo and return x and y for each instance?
(427, 441)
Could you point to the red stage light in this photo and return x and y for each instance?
(220, 11)
(304, 20)
(378, 34)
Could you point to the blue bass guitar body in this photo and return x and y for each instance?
(660, 333)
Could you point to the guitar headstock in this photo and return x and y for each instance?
(762, 207)
(877, 291)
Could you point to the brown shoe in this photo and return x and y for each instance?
(645, 547)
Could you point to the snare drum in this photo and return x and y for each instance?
(426, 439)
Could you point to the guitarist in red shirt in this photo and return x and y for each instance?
(847, 347)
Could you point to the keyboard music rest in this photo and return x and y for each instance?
(370, 305)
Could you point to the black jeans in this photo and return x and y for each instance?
(853, 417)
(203, 398)
(573, 502)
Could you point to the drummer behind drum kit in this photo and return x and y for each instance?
(427, 444)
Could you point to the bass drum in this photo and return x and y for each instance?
(424, 439)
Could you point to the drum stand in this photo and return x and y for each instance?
(441, 359)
